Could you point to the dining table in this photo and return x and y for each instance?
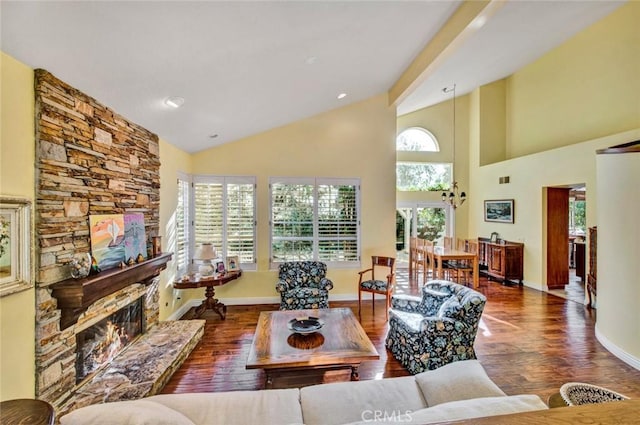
(442, 254)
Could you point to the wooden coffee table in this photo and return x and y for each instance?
(294, 360)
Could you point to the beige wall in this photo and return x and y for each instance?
(529, 175)
(355, 141)
(586, 88)
(492, 122)
(551, 144)
(580, 97)
(172, 161)
(618, 326)
(17, 177)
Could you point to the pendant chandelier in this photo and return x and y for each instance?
(455, 198)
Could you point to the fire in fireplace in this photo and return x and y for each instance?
(101, 343)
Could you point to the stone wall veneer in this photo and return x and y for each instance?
(89, 160)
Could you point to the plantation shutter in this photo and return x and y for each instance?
(208, 213)
(241, 221)
(315, 219)
(337, 223)
(292, 221)
(183, 222)
(224, 215)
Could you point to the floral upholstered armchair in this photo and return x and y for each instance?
(436, 329)
(302, 285)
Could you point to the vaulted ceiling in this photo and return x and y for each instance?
(246, 67)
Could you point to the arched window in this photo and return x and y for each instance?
(416, 139)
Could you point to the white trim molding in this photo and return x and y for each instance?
(617, 351)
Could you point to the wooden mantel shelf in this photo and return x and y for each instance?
(76, 295)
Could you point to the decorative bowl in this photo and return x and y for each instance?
(305, 325)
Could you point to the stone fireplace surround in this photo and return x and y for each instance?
(91, 160)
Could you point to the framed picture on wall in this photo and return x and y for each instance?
(499, 211)
(15, 245)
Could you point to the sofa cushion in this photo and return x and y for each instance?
(134, 412)
(477, 408)
(459, 380)
(237, 407)
(344, 402)
(460, 410)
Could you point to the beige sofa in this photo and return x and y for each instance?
(460, 390)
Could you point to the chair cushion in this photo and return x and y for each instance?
(134, 412)
(376, 285)
(461, 380)
(451, 308)
(412, 322)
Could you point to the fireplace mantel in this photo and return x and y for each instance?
(76, 295)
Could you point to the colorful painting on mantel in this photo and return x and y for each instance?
(107, 239)
(135, 240)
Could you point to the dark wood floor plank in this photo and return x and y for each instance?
(529, 342)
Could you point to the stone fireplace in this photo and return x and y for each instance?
(91, 160)
(101, 342)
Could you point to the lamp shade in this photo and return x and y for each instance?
(206, 251)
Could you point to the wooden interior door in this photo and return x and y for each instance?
(557, 237)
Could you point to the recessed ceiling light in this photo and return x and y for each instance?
(478, 22)
(213, 136)
(342, 95)
(174, 102)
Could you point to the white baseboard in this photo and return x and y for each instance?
(617, 351)
(176, 315)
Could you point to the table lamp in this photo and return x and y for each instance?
(205, 253)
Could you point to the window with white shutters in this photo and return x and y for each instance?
(315, 219)
(182, 223)
(218, 210)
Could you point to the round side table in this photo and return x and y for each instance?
(26, 411)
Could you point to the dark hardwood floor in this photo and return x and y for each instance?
(528, 341)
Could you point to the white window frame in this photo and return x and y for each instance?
(450, 175)
(187, 199)
(315, 182)
(449, 216)
(225, 181)
(429, 135)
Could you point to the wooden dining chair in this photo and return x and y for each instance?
(421, 257)
(465, 267)
(427, 265)
(413, 257)
(447, 242)
(431, 264)
(375, 286)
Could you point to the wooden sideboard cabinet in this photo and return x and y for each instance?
(502, 261)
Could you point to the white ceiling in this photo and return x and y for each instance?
(246, 67)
